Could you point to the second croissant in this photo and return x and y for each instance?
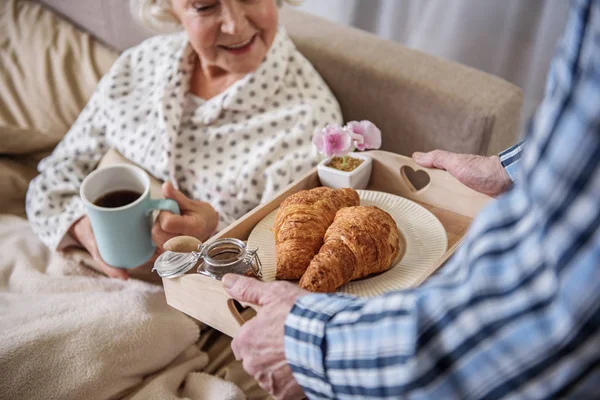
(362, 240)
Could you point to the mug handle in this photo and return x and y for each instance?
(165, 205)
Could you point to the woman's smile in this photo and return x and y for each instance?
(240, 47)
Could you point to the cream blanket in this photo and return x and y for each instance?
(69, 333)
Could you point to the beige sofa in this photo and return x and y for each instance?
(49, 68)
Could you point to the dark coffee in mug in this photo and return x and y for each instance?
(118, 198)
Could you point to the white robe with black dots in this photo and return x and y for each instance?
(234, 151)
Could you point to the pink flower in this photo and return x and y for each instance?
(333, 140)
(365, 135)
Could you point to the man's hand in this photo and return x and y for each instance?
(259, 343)
(483, 174)
(197, 219)
(82, 232)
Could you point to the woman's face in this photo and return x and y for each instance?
(229, 35)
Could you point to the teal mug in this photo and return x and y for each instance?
(118, 203)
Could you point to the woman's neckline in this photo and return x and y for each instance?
(196, 98)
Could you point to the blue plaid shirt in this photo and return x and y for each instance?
(516, 312)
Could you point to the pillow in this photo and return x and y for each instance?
(48, 71)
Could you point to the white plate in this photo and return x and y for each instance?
(426, 242)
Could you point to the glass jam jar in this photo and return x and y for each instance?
(220, 257)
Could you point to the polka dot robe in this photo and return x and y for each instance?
(233, 151)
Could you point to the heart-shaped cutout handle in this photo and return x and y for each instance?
(240, 312)
(414, 180)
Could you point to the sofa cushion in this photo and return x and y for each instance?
(48, 70)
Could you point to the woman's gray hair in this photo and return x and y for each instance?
(158, 15)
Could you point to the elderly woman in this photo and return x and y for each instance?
(223, 110)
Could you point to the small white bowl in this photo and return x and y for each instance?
(355, 179)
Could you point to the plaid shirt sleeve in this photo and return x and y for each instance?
(510, 160)
(516, 312)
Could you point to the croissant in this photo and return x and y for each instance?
(301, 223)
(361, 241)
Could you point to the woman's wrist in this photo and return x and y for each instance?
(211, 223)
(75, 231)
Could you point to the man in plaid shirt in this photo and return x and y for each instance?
(516, 311)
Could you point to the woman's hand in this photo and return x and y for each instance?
(483, 174)
(197, 219)
(82, 232)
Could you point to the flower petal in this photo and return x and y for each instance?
(328, 145)
(372, 135)
(331, 129)
(358, 141)
(318, 140)
(337, 143)
(333, 140)
(355, 127)
(344, 144)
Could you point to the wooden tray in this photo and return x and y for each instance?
(454, 204)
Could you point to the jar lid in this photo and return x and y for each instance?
(171, 264)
